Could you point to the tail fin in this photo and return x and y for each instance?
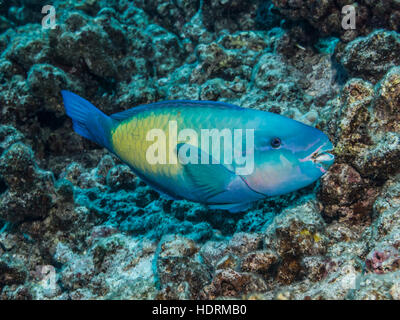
(87, 120)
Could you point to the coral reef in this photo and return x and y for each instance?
(326, 16)
(76, 223)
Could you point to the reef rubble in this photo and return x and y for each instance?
(76, 223)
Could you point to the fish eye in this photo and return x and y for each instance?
(276, 142)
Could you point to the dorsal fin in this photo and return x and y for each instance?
(162, 104)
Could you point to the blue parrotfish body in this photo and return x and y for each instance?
(259, 154)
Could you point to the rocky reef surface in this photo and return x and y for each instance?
(76, 223)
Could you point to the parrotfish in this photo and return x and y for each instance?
(259, 153)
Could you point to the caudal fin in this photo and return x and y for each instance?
(87, 120)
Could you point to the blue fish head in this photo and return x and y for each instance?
(288, 155)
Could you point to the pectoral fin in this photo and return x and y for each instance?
(208, 180)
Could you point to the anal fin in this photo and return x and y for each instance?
(231, 207)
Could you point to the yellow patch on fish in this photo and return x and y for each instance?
(130, 143)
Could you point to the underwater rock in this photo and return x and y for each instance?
(119, 257)
(121, 177)
(229, 261)
(384, 155)
(386, 208)
(298, 231)
(242, 14)
(346, 195)
(323, 15)
(176, 246)
(242, 243)
(195, 30)
(213, 252)
(10, 275)
(383, 260)
(326, 16)
(140, 90)
(372, 56)
(327, 278)
(388, 101)
(29, 47)
(30, 193)
(268, 15)
(75, 42)
(8, 136)
(288, 271)
(315, 267)
(19, 293)
(368, 146)
(367, 130)
(377, 287)
(104, 166)
(269, 72)
(168, 50)
(45, 80)
(170, 15)
(177, 264)
(255, 220)
(259, 261)
(229, 283)
(72, 172)
(395, 291)
(213, 60)
(108, 19)
(351, 130)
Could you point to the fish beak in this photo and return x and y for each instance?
(324, 156)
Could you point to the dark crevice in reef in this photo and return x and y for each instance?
(22, 70)
(341, 74)
(105, 85)
(2, 247)
(302, 32)
(268, 16)
(22, 12)
(3, 186)
(49, 119)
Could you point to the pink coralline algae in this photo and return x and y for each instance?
(384, 260)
